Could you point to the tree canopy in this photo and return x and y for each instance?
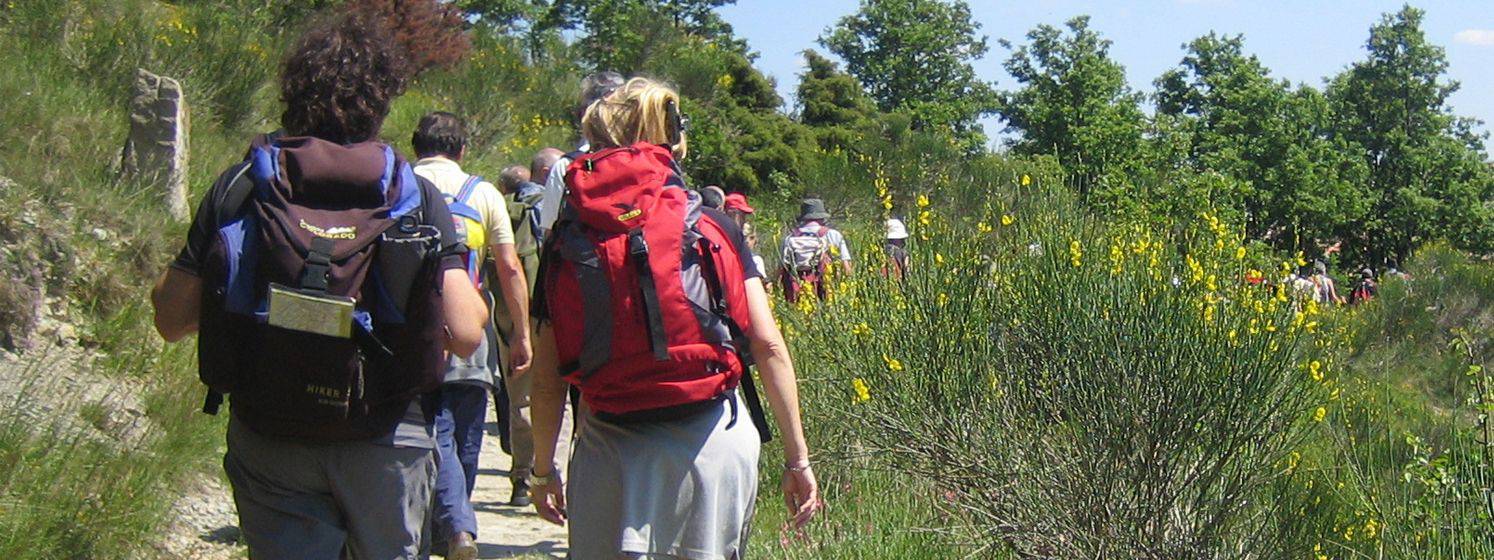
(914, 57)
(1074, 104)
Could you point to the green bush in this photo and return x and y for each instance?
(1075, 390)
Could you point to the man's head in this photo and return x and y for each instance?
(440, 134)
(339, 78)
(511, 177)
(539, 167)
(713, 197)
(594, 87)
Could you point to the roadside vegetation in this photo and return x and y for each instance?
(1075, 366)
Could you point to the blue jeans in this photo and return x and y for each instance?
(459, 431)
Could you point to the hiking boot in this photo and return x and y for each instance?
(461, 547)
(520, 497)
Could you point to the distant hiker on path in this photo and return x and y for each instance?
(1367, 288)
(483, 224)
(807, 250)
(713, 197)
(593, 87)
(524, 199)
(324, 280)
(895, 244)
(1324, 290)
(737, 208)
(665, 464)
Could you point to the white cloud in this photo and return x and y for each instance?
(1475, 37)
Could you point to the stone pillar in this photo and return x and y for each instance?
(156, 150)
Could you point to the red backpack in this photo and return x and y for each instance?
(645, 294)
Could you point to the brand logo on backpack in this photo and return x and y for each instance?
(339, 232)
(629, 215)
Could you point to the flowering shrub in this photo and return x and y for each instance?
(1077, 390)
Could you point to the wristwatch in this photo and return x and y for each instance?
(535, 481)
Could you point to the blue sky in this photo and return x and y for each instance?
(1303, 41)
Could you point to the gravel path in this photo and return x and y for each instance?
(506, 531)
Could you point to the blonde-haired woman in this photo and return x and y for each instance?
(680, 487)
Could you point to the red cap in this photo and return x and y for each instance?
(737, 201)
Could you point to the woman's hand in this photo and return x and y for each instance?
(549, 500)
(801, 494)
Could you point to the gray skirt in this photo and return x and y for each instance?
(683, 488)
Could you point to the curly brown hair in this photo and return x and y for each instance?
(339, 78)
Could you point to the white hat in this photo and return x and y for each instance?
(896, 229)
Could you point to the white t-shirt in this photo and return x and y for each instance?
(554, 196)
(449, 178)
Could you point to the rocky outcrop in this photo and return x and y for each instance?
(156, 150)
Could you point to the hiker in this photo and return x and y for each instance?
(1300, 285)
(749, 232)
(481, 213)
(1367, 288)
(539, 172)
(524, 199)
(665, 463)
(1324, 291)
(713, 197)
(593, 87)
(324, 281)
(807, 250)
(737, 208)
(895, 245)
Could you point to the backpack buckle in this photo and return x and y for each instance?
(637, 245)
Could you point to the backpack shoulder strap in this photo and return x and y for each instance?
(468, 188)
(740, 341)
(240, 186)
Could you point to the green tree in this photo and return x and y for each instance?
(1298, 184)
(624, 35)
(914, 57)
(832, 103)
(1074, 104)
(1426, 173)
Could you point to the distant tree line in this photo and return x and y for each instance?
(1373, 161)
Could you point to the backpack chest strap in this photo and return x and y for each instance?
(318, 265)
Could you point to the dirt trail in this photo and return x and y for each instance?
(506, 531)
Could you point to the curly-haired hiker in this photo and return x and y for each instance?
(326, 287)
(652, 306)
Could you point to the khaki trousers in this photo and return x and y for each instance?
(521, 429)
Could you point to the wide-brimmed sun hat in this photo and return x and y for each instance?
(896, 229)
(738, 202)
(812, 209)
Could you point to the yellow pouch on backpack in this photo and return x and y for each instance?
(313, 313)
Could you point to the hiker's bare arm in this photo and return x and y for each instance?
(465, 312)
(516, 296)
(849, 266)
(177, 298)
(801, 492)
(546, 407)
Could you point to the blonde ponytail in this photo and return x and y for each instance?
(639, 111)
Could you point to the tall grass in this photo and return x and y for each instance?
(64, 495)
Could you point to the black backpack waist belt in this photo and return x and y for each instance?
(671, 413)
